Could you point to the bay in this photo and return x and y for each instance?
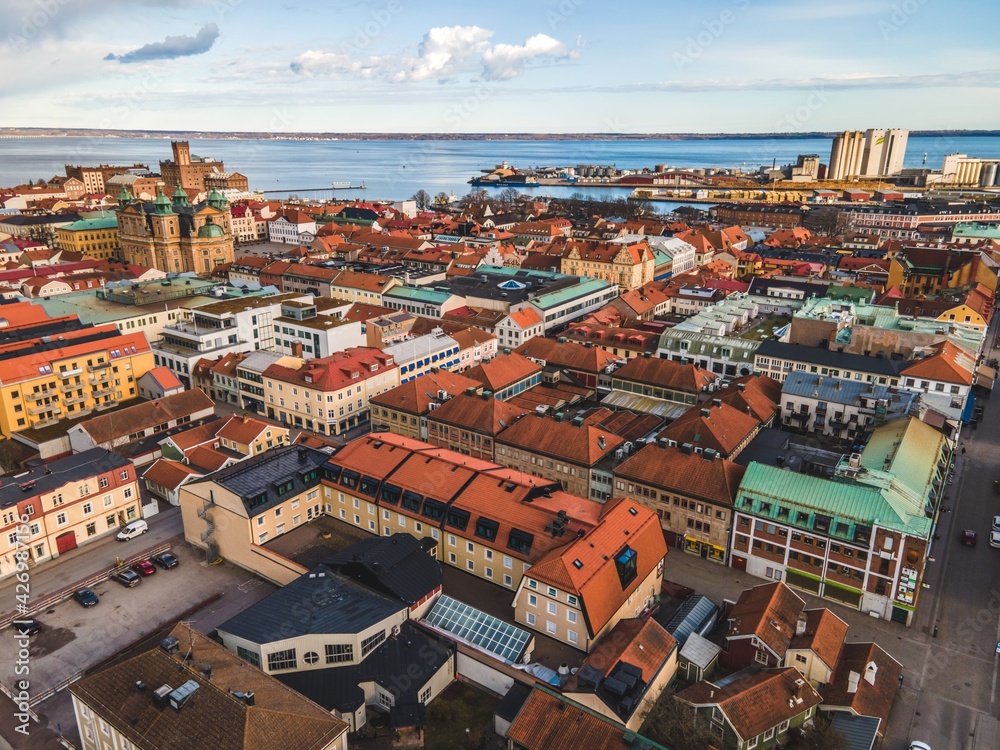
(395, 170)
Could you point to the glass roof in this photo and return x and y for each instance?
(486, 632)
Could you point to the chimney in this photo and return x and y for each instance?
(601, 442)
(800, 624)
(741, 386)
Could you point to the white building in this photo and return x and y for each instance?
(516, 328)
(416, 356)
(293, 228)
(235, 325)
(303, 332)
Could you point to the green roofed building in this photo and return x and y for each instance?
(96, 237)
(860, 536)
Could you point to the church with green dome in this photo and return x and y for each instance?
(174, 235)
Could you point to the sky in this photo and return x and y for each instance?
(545, 66)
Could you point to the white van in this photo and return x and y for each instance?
(131, 530)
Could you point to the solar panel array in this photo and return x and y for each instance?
(491, 634)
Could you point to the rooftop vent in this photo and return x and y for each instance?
(170, 644)
(180, 697)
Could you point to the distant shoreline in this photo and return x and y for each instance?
(10, 132)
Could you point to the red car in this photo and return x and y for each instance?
(969, 538)
(144, 568)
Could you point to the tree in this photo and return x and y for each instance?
(10, 456)
(678, 726)
(422, 198)
(827, 221)
(509, 197)
(442, 199)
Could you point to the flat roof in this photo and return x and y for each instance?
(477, 628)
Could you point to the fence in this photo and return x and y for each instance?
(67, 591)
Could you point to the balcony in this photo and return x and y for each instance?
(42, 408)
(74, 400)
(52, 421)
(100, 379)
(69, 387)
(42, 394)
(105, 405)
(98, 366)
(101, 392)
(70, 373)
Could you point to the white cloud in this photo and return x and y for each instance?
(507, 60)
(444, 52)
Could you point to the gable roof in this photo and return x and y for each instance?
(665, 373)
(949, 363)
(395, 565)
(416, 396)
(755, 700)
(567, 354)
(867, 699)
(484, 415)
(671, 469)
(720, 427)
(769, 612)
(165, 378)
(595, 580)
(824, 635)
(117, 424)
(503, 371)
(583, 445)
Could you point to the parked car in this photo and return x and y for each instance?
(996, 523)
(85, 597)
(27, 626)
(144, 568)
(165, 560)
(131, 530)
(127, 578)
(995, 539)
(969, 538)
(919, 746)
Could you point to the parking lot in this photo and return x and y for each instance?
(75, 639)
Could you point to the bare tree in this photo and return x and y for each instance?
(422, 199)
(678, 726)
(509, 197)
(10, 456)
(821, 736)
(828, 221)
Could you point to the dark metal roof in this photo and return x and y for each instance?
(829, 358)
(52, 476)
(403, 665)
(318, 602)
(859, 731)
(395, 565)
(256, 477)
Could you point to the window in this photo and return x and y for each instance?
(550, 627)
(103, 482)
(88, 508)
(551, 607)
(371, 642)
(385, 700)
(532, 600)
(310, 657)
(769, 733)
(337, 653)
(282, 660)
(61, 519)
(425, 695)
(572, 636)
(530, 618)
(625, 562)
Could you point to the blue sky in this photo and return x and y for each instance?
(512, 66)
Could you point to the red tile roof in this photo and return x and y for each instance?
(875, 689)
(548, 722)
(716, 481)
(416, 396)
(584, 445)
(666, 373)
(486, 416)
(720, 427)
(824, 635)
(758, 701)
(769, 612)
(503, 371)
(336, 371)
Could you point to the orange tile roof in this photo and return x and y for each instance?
(769, 612)
(720, 427)
(471, 337)
(525, 318)
(758, 701)
(759, 395)
(665, 373)
(584, 445)
(165, 378)
(336, 371)
(824, 635)
(670, 469)
(641, 642)
(595, 580)
(244, 429)
(415, 396)
(949, 364)
(503, 371)
(378, 454)
(569, 355)
(169, 474)
(548, 722)
(25, 367)
(204, 433)
(369, 282)
(485, 416)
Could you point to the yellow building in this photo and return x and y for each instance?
(97, 238)
(330, 394)
(627, 265)
(70, 376)
(66, 503)
(175, 236)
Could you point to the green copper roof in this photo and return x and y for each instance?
(209, 230)
(162, 203)
(180, 197)
(108, 222)
(780, 494)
